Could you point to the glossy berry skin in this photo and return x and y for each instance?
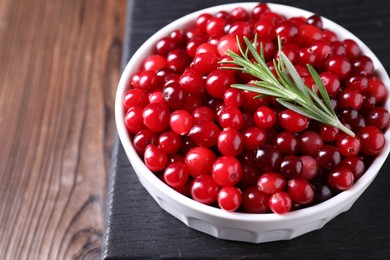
(264, 117)
(229, 198)
(331, 83)
(341, 178)
(218, 81)
(227, 42)
(339, 65)
(254, 137)
(348, 145)
(232, 97)
(329, 133)
(230, 142)
(309, 142)
(291, 167)
(292, 121)
(143, 138)
(350, 98)
(205, 134)
(199, 161)
(204, 189)
(377, 88)
(203, 114)
(271, 182)
(254, 201)
(267, 158)
(372, 140)
(328, 157)
(173, 94)
(352, 49)
(280, 202)
(156, 116)
(176, 174)
(300, 191)
(134, 98)
(205, 63)
(286, 142)
(378, 117)
(169, 142)
(181, 122)
(309, 167)
(355, 164)
(226, 171)
(192, 82)
(230, 117)
(155, 158)
(133, 120)
(154, 63)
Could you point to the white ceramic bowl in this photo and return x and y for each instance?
(255, 228)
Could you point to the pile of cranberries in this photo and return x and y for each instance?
(226, 147)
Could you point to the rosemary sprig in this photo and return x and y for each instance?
(288, 87)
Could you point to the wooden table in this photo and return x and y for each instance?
(59, 67)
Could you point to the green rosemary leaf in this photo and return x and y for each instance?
(287, 86)
(321, 88)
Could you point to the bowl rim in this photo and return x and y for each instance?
(181, 23)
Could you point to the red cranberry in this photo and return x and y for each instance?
(309, 142)
(271, 182)
(226, 171)
(351, 48)
(292, 121)
(155, 158)
(341, 178)
(199, 161)
(229, 198)
(176, 174)
(254, 137)
(300, 191)
(205, 134)
(267, 158)
(378, 117)
(280, 202)
(204, 189)
(133, 120)
(286, 142)
(291, 166)
(339, 65)
(372, 140)
(181, 122)
(230, 142)
(254, 201)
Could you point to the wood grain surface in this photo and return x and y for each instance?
(59, 67)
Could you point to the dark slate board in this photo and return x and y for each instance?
(137, 227)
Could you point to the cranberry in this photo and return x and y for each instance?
(271, 182)
(232, 97)
(176, 174)
(264, 29)
(199, 161)
(363, 65)
(254, 201)
(264, 117)
(178, 37)
(322, 192)
(259, 10)
(133, 120)
(165, 45)
(205, 63)
(192, 45)
(286, 142)
(358, 82)
(309, 142)
(322, 50)
(134, 98)
(280, 202)
(227, 42)
(229, 198)
(339, 65)
(155, 158)
(329, 35)
(204, 189)
(230, 117)
(292, 121)
(154, 63)
(341, 178)
(355, 164)
(329, 133)
(309, 167)
(230, 142)
(377, 88)
(300, 191)
(251, 103)
(202, 20)
(331, 83)
(328, 157)
(350, 98)
(308, 33)
(254, 137)
(191, 102)
(351, 48)
(226, 171)
(216, 27)
(338, 48)
(192, 82)
(174, 94)
(315, 20)
(291, 166)
(149, 80)
(287, 31)
(205, 134)
(267, 158)
(178, 60)
(203, 114)
(372, 140)
(218, 81)
(378, 117)
(143, 138)
(241, 29)
(181, 122)
(348, 145)
(250, 175)
(169, 142)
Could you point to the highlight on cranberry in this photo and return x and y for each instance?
(230, 147)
